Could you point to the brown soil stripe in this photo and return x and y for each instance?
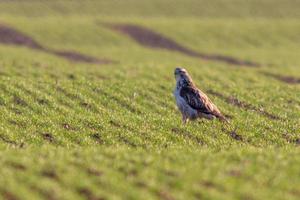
(212, 185)
(6, 140)
(77, 57)
(97, 137)
(233, 134)
(149, 38)
(50, 173)
(49, 137)
(10, 36)
(234, 101)
(291, 139)
(88, 194)
(282, 78)
(8, 195)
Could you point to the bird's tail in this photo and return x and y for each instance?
(222, 118)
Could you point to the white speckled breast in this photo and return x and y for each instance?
(184, 108)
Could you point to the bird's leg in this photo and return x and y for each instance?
(184, 119)
(200, 121)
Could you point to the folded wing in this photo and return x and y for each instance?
(199, 101)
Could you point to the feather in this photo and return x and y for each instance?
(192, 102)
(200, 102)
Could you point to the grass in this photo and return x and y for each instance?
(87, 131)
(100, 173)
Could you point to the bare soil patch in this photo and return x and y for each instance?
(77, 57)
(151, 39)
(18, 101)
(8, 195)
(88, 194)
(97, 137)
(43, 101)
(295, 192)
(283, 78)
(50, 173)
(66, 126)
(236, 136)
(236, 102)
(10, 36)
(49, 137)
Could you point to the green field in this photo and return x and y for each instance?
(105, 125)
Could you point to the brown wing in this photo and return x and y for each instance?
(199, 101)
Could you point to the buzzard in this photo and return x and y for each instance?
(191, 101)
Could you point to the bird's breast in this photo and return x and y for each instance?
(183, 106)
(179, 100)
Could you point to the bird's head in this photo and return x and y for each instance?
(181, 75)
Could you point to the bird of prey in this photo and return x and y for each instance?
(191, 101)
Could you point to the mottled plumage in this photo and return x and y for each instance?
(191, 101)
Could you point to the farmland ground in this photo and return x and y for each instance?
(86, 103)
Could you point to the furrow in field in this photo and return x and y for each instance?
(152, 39)
(283, 78)
(244, 105)
(10, 36)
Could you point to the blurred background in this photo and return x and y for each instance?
(214, 27)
